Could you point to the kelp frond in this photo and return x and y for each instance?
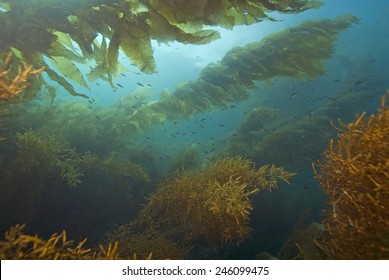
(20, 246)
(128, 25)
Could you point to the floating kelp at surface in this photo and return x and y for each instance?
(295, 52)
(354, 174)
(129, 25)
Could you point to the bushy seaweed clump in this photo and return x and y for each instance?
(213, 205)
(354, 173)
(48, 155)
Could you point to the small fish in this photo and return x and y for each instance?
(221, 125)
(119, 85)
(373, 60)
(202, 120)
(123, 75)
(97, 84)
(90, 107)
(358, 83)
(149, 85)
(232, 106)
(90, 101)
(337, 81)
(140, 84)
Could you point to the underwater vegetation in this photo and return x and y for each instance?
(17, 245)
(354, 174)
(45, 176)
(40, 155)
(269, 134)
(45, 155)
(295, 52)
(90, 169)
(213, 204)
(303, 245)
(14, 81)
(150, 243)
(65, 33)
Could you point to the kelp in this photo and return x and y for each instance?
(129, 25)
(150, 244)
(45, 155)
(40, 155)
(272, 135)
(14, 80)
(297, 52)
(354, 174)
(213, 204)
(17, 245)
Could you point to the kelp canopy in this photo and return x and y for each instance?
(66, 32)
(295, 52)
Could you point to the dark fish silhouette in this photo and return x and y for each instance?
(140, 84)
(119, 85)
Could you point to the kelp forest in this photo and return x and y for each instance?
(277, 150)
